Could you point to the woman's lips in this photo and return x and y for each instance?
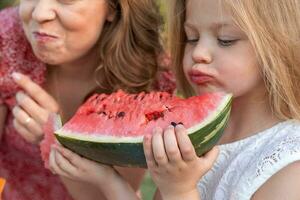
(200, 78)
(44, 37)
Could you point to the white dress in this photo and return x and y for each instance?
(245, 165)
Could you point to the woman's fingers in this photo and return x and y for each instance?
(30, 106)
(74, 159)
(27, 135)
(64, 164)
(27, 122)
(54, 167)
(185, 145)
(36, 92)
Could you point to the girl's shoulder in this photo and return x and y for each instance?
(15, 54)
(272, 152)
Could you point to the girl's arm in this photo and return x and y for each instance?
(173, 164)
(283, 185)
(3, 113)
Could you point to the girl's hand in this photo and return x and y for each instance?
(66, 163)
(32, 110)
(173, 163)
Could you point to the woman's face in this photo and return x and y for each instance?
(62, 31)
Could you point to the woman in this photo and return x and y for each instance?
(66, 49)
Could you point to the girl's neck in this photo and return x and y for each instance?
(249, 116)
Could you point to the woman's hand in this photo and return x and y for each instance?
(66, 163)
(173, 163)
(33, 107)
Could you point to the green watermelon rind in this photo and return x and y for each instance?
(129, 153)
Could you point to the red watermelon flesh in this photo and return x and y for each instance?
(49, 128)
(131, 115)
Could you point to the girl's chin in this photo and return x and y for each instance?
(208, 89)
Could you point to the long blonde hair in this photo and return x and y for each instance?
(129, 46)
(273, 28)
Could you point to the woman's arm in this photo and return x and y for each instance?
(3, 113)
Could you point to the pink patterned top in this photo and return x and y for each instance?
(20, 162)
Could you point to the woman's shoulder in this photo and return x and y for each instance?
(15, 53)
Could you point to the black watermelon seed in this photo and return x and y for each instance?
(121, 114)
(173, 124)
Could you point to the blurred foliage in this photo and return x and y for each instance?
(6, 3)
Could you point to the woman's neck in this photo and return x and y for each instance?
(82, 69)
(70, 83)
(249, 116)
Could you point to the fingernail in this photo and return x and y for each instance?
(16, 76)
(15, 110)
(20, 96)
(147, 137)
(170, 127)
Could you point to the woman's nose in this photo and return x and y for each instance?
(44, 10)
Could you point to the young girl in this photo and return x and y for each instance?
(250, 49)
(69, 49)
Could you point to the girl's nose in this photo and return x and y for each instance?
(202, 54)
(44, 11)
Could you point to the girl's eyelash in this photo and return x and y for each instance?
(226, 43)
(192, 40)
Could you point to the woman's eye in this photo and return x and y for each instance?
(226, 43)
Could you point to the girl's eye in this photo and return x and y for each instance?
(67, 1)
(191, 41)
(226, 43)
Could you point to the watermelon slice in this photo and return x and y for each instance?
(110, 128)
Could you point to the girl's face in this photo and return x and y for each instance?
(218, 55)
(61, 31)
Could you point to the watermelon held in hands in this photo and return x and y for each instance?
(109, 128)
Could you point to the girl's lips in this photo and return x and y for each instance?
(200, 78)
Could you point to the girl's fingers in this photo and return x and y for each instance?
(185, 145)
(158, 147)
(27, 122)
(210, 157)
(27, 135)
(171, 145)
(147, 145)
(30, 106)
(36, 92)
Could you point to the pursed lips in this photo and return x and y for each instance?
(199, 77)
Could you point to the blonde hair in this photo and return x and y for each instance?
(128, 47)
(273, 28)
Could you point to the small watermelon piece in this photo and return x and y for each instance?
(53, 124)
(110, 128)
